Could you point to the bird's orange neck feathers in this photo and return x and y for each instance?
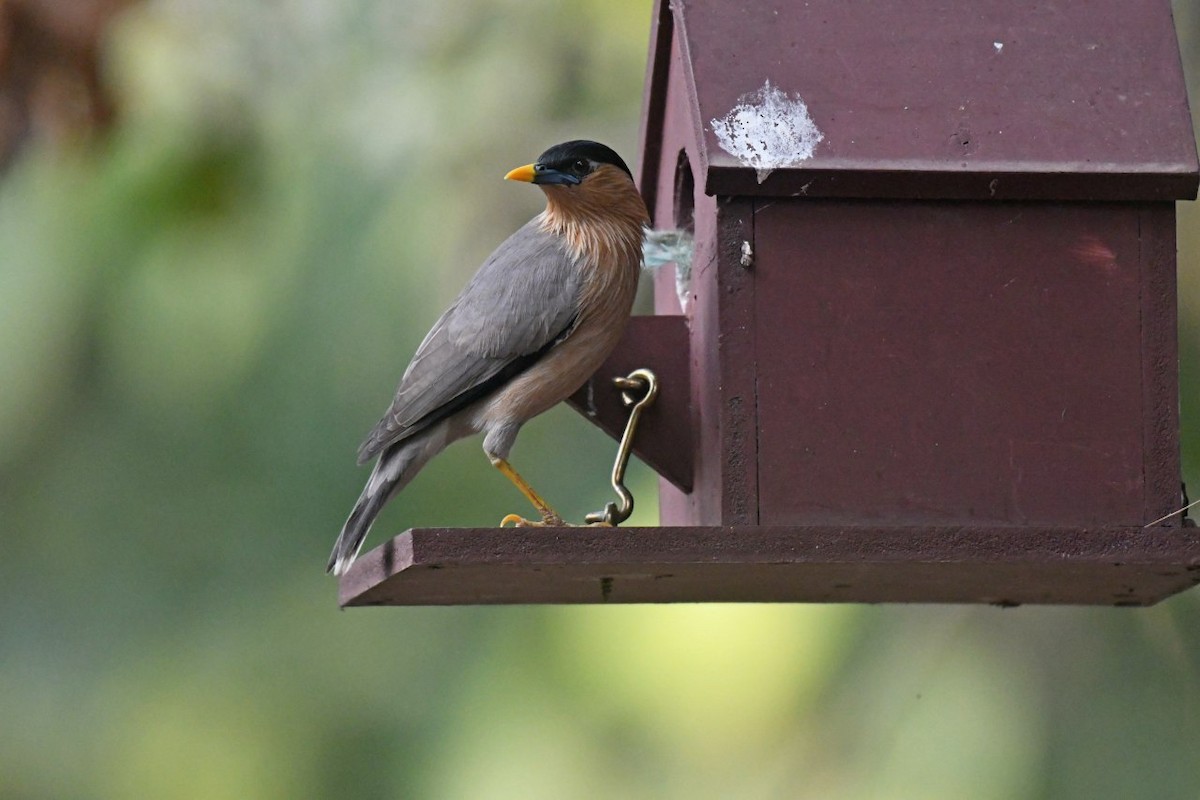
(600, 219)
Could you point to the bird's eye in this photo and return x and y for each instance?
(581, 167)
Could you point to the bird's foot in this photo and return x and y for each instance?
(547, 521)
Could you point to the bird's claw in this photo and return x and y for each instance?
(549, 521)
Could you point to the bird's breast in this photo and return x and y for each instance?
(610, 263)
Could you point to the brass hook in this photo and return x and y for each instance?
(638, 380)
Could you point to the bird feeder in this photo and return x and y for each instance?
(925, 349)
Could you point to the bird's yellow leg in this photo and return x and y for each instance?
(550, 517)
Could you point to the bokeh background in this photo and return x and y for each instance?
(224, 226)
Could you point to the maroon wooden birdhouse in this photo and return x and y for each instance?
(925, 346)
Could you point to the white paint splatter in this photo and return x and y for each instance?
(768, 130)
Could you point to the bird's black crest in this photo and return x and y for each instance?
(562, 155)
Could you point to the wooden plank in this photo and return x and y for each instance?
(1160, 363)
(699, 214)
(997, 565)
(650, 134)
(664, 435)
(954, 364)
(735, 379)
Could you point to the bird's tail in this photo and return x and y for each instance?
(396, 467)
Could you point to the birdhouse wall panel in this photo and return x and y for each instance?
(735, 348)
(676, 144)
(1160, 362)
(672, 138)
(964, 363)
(722, 365)
(724, 489)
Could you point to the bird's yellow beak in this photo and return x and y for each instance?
(525, 173)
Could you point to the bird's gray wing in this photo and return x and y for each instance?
(521, 301)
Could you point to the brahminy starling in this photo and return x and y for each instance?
(533, 324)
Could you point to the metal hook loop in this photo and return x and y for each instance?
(640, 380)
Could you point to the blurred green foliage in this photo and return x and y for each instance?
(201, 316)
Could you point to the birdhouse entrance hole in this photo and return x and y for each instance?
(685, 195)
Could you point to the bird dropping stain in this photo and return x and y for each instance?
(768, 130)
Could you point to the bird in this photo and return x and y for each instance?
(538, 318)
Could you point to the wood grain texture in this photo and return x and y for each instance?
(1160, 362)
(962, 363)
(996, 565)
(664, 435)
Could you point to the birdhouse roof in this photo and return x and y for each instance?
(991, 99)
